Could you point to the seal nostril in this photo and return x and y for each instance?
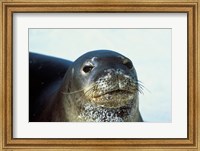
(87, 69)
(128, 63)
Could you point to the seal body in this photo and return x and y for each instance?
(100, 86)
(45, 76)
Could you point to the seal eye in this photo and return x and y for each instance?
(87, 68)
(128, 63)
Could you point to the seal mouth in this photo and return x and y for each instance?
(114, 92)
(113, 98)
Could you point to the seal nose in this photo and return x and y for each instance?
(118, 76)
(120, 79)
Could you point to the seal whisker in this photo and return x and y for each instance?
(90, 92)
(73, 92)
(142, 86)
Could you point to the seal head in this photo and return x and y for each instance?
(101, 86)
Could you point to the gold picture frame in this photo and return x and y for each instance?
(8, 7)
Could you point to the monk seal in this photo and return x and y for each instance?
(100, 86)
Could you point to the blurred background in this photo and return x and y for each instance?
(149, 50)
